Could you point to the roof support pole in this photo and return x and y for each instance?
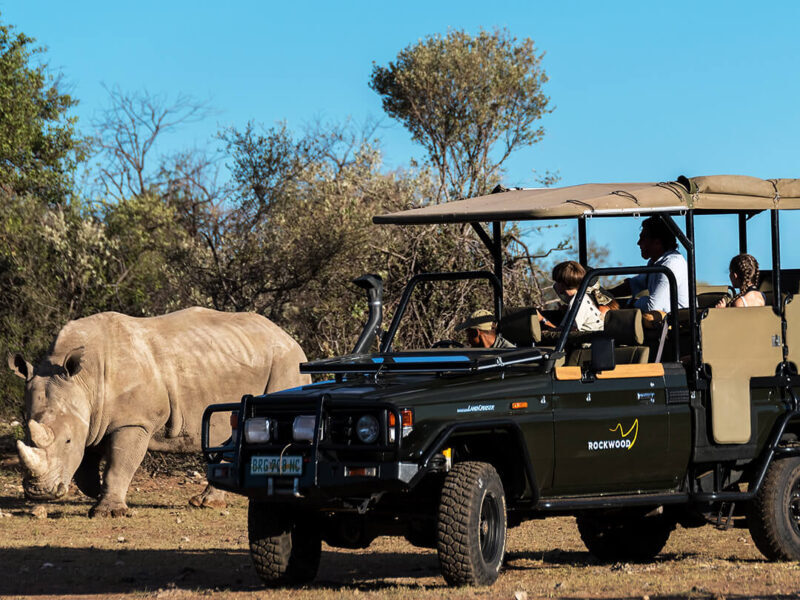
(695, 354)
(583, 254)
(742, 233)
(494, 245)
(686, 242)
(775, 226)
(487, 241)
(497, 254)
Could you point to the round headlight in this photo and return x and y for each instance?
(367, 429)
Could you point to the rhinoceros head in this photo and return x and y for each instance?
(58, 411)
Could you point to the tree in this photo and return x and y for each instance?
(148, 241)
(300, 230)
(469, 100)
(54, 267)
(39, 147)
(155, 206)
(127, 133)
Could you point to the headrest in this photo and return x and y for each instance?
(712, 289)
(520, 326)
(625, 326)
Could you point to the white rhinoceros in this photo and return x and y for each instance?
(113, 386)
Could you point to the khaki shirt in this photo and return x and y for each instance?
(501, 342)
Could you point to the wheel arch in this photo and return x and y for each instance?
(487, 431)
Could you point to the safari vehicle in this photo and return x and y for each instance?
(631, 430)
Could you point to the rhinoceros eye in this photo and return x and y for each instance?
(68, 441)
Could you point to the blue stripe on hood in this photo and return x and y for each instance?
(422, 359)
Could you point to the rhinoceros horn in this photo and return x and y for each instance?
(41, 435)
(34, 459)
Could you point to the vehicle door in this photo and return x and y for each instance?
(612, 431)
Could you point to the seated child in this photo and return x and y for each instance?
(567, 278)
(743, 272)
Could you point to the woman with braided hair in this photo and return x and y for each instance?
(744, 276)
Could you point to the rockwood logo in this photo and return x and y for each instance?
(475, 408)
(625, 441)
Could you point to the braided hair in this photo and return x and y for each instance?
(746, 267)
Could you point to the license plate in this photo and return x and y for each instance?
(275, 465)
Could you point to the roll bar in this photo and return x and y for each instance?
(592, 274)
(386, 344)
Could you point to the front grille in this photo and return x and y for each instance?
(340, 428)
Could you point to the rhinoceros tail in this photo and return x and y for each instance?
(175, 424)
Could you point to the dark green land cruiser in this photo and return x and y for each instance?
(632, 430)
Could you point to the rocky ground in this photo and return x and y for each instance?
(167, 550)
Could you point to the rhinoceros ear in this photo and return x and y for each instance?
(74, 362)
(20, 366)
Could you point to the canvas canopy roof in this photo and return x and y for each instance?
(711, 193)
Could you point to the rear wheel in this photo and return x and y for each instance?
(624, 537)
(774, 517)
(285, 545)
(472, 525)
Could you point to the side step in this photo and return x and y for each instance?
(609, 501)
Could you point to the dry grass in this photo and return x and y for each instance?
(167, 550)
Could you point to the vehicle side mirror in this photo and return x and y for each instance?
(603, 354)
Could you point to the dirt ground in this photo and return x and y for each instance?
(167, 550)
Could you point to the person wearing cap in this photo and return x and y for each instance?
(481, 330)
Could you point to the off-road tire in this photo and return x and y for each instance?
(471, 524)
(774, 515)
(627, 537)
(285, 545)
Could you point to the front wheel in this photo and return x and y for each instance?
(471, 539)
(285, 545)
(774, 516)
(624, 537)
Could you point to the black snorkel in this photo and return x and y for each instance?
(373, 284)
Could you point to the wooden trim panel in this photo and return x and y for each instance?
(621, 372)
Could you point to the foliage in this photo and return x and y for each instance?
(301, 231)
(39, 147)
(469, 100)
(285, 236)
(147, 240)
(53, 268)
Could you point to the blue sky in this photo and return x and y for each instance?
(643, 91)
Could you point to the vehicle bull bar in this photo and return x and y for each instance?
(214, 455)
(324, 404)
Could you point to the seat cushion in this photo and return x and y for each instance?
(625, 326)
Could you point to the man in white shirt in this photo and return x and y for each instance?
(659, 246)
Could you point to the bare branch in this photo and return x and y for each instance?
(128, 131)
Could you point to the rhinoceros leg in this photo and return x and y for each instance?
(210, 497)
(126, 449)
(87, 477)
